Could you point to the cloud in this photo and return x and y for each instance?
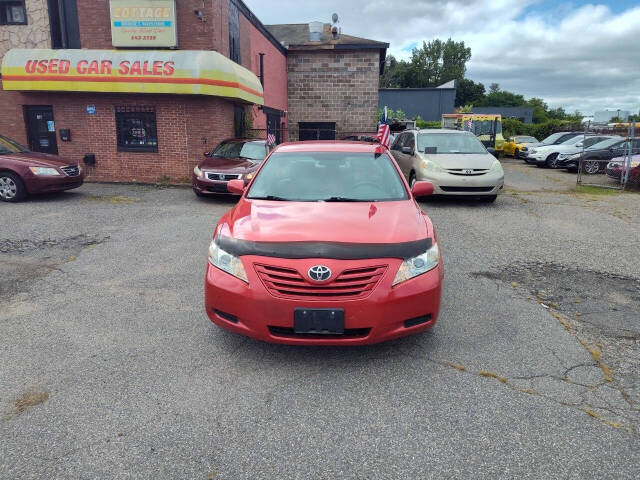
(583, 57)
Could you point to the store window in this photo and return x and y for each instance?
(63, 21)
(136, 128)
(12, 13)
(234, 33)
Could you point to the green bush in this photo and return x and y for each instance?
(426, 124)
(511, 127)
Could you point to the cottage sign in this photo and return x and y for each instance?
(143, 23)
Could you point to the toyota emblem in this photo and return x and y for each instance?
(319, 273)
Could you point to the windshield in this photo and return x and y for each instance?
(606, 143)
(526, 140)
(485, 127)
(9, 146)
(552, 138)
(328, 176)
(250, 150)
(449, 143)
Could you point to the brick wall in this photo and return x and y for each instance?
(193, 33)
(187, 127)
(35, 34)
(333, 86)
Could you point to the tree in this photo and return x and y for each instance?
(431, 65)
(501, 98)
(468, 92)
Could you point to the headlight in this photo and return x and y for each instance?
(248, 176)
(574, 156)
(197, 172)
(226, 262)
(562, 156)
(418, 265)
(495, 166)
(634, 164)
(44, 171)
(533, 150)
(431, 166)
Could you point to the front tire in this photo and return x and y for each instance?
(552, 161)
(591, 167)
(12, 188)
(412, 179)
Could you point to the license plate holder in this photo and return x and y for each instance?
(318, 321)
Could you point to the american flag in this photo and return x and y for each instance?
(470, 124)
(271, 139)
(383, 130)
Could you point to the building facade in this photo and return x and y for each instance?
(145, 111)
(138, 90)
(332, 82)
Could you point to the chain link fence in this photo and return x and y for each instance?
(611, 162)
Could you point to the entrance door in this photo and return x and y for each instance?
(273, 126)
(317, 131)
(41, 129)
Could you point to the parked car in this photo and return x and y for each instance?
(23, 172)
(615, 168)
(514, 145)
(595, 159)
(235, 159)
(327, 245)
(547, 155)
(553, 139)
(455, 161)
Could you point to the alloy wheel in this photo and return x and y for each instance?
(591, 167)
(8, 188)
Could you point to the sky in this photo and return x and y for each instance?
(580, 55)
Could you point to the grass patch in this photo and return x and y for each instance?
(590, 412)
(494, 375)
(462, 368)
(592, 190)
(28, 399)
(113, 199)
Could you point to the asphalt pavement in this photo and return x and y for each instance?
(109, 367)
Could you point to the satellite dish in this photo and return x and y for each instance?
(334, 18)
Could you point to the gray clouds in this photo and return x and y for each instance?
(584, 58)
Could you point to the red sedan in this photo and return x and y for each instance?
(23, 172)
(326, 246)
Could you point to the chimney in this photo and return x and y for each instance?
(315, 31)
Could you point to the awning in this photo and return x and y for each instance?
(190, 72)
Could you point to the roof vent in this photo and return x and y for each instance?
(315, 31)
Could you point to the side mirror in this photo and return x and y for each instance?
(236, 186)
(422, 189)
(407, 150)
(492, 151)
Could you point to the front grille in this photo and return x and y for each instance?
(223, 177)
(467, 189)
(71, 170)
(289, 283)
(289, 332)
(461, 172)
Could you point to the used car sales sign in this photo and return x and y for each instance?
(131, 71)
(143, 23)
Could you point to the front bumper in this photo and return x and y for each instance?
(444, 183)
(253, 310)
(36, 184)
(204, 186)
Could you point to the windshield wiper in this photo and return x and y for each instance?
(275, 198)
(343, 199)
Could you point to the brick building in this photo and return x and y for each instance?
(138, 90)
(332, 82)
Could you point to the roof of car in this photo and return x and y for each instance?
(329, 146)
(444, 130)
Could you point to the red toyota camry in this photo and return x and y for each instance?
(326, 246)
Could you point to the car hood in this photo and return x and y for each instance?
(230, 165)
(457, 160)
(38, 159)
(358, 222)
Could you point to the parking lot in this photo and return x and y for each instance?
(109, 367)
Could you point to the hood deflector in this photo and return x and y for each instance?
(332, 250)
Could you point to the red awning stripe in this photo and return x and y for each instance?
(89, 78)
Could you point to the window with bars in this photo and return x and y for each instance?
(136, 128)
(12, 13)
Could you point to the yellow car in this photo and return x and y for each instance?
(513, 145)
